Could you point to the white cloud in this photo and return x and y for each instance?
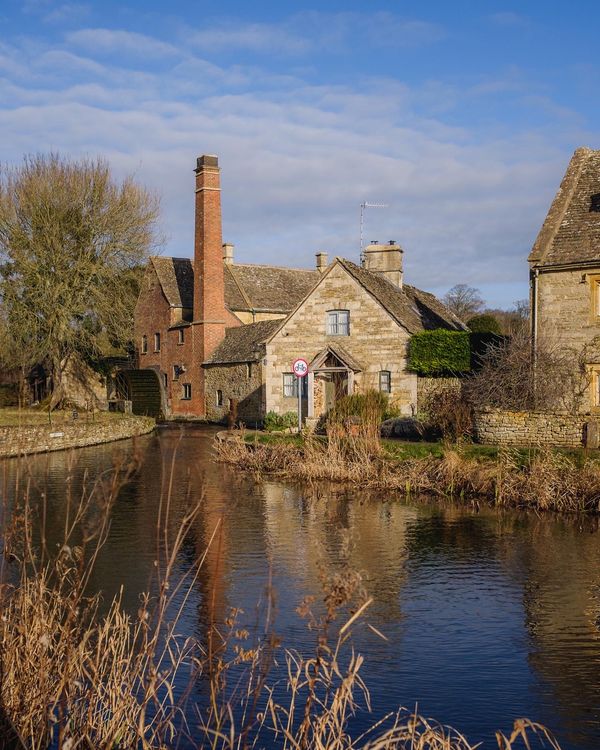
(298, 159)
(107, 41)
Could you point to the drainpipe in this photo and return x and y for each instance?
(534, 328)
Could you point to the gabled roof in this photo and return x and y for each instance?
(412, 308)
(571, 232)
(247, 287)
(176, 277)
(243, 343)
(268, 288)
(343, 357)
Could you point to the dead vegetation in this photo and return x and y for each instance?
(543, 480)
(76, 676)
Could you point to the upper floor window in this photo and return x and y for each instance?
(385, 381)
(180, 335)
(144, 349)
(594, 282)
(187, 392)
(248, 370)
(595, 203)
(157, 342)
(338, 323)
(219, 398)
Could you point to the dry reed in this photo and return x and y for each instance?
(547, 480)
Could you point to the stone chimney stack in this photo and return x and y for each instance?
(209, 284)
(385, 260)
(228, 253)
(321, 261)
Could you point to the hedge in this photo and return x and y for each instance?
(439, 352)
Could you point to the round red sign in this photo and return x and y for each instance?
(300, 367)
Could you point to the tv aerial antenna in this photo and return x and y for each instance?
(363, 206)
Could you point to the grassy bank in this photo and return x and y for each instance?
(76, 679)
(541, 479)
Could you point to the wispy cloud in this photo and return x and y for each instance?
(109, 41)
(297, 158)
(508, 18)
(312, 30)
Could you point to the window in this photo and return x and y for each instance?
(180, 336)
(338, 323)
(595, 203)
(164, 379)
(144, 344)
(176, 372)
(594, 282)
(248, 370)
(290, 385)
(219, 398)
(187, 391)
(385, 381)
(157, 342)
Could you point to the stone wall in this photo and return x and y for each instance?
(376, 342)
(426, 387)
(16, 441)
(241, 381)
(496, 427)
(568, 315)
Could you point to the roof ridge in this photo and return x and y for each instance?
(279, 268)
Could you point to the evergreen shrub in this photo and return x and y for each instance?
(439, 353)
(274, 422)
(485, 323)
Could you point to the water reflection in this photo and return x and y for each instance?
(489, 616)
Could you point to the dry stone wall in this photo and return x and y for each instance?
(18, 441)
(496, 427)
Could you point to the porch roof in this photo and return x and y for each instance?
(347, 361)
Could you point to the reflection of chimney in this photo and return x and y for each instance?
(321, 262)
(385, 260)
(228, 253)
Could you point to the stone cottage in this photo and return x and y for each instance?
(565, 271)
(213, 333)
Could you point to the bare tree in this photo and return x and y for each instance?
(510, 379)
(72, 241)
(464, 301)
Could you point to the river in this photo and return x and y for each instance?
(488, 615)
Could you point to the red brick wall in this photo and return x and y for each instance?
(153, 314)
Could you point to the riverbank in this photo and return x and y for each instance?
(24, 432)
(540, 479)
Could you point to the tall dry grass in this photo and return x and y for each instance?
(75, 675)
(544, 481)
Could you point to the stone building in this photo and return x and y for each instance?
(565, 272)
(213, 334)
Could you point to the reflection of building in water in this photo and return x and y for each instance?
(306, 536)
(561, 571)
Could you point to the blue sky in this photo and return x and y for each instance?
(461, 116)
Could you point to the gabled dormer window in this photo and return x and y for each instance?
(595, 203)
(338, 323)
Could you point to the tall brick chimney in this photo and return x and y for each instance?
(209, 286)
